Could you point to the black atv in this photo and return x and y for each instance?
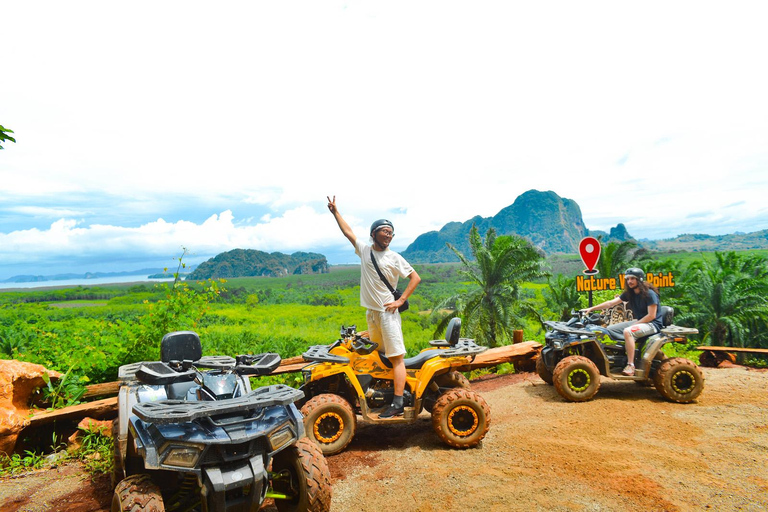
(575, 356)
(192, 435)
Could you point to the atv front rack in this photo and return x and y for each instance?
(166, 412)
(322, 354)
(567, 329)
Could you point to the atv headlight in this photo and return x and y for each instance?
(281, 437)
(182, 456)
(558, 344)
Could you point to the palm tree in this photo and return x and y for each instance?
(562, 296)
(616, 257)
(501, 264)
(4, 135)
(727, 300)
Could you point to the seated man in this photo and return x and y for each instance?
(644, 303)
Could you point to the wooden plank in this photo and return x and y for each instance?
(103, 389)
(517, 353)
(735, 349)
(106, 408)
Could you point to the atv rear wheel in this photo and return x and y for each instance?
(543, 371)
(576, 378)
(461, 418)
(302, 472)
(137, 493)
(330, 422)
(679, 380)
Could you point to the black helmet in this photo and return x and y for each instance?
(635, 272)
(381, 223)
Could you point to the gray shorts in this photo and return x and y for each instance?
(637, 330)
(386, 329)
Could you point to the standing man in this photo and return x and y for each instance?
(644, 302)
(384, 325)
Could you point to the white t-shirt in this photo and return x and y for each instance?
(373, 292)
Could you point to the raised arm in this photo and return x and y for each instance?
(345, 229)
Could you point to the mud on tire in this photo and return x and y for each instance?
(303, 473)
(452, 379)
(543, 371)
(461, 418)
(330, 422)
(137, 493)
(576, 378)
(679, 380)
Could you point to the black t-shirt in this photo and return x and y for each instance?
(639, 305)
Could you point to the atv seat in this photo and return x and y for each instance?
(415, 362)
(180, 346)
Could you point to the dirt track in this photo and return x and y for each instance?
(625, 450)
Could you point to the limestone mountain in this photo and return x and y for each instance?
(550, 222)
(252, 263)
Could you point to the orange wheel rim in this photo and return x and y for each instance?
(328, 427)
(463, 420)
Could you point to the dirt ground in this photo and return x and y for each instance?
(626, 450)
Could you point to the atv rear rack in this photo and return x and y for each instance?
(464, 347)
(166, 412)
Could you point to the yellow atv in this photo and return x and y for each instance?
(350, 377)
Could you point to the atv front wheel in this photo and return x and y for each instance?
(679, 380)
(301, 473)
(543, 371)
(137, 493)
(461, 418)
(452, 380)
(576, 378)
(330, 422)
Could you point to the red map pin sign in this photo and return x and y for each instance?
(589, 250)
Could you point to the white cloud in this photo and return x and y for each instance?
(425, 113)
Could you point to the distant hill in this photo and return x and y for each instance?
(552, 223)
(253, 263)
(700, 242)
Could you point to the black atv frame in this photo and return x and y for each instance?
(192, 435)
(575, 356)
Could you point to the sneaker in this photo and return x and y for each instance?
(391, 412)
(629, 369)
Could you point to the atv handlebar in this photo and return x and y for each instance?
(363, 346)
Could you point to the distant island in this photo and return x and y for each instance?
(149, 273)
(253, 263)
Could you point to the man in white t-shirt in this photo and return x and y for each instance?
(384, 326)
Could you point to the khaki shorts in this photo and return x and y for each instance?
(386, 329)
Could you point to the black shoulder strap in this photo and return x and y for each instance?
(376, 266)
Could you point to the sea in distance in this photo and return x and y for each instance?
(66, 283)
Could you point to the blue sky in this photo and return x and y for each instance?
(145, 127)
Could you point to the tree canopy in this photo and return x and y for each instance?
(493, 308)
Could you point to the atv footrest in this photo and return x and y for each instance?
(180, 411)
